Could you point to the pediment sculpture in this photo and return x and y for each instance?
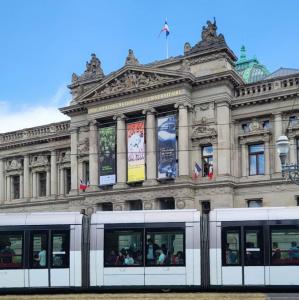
(202, 130)
(14, 164)
(131, 59)
(131, 80)
(65, 156)
(39, 160)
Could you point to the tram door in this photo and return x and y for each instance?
(243, 255)
(253, 256)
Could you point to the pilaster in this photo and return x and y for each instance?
(74, 161)
(26, 181)
(2, 182)
(53, 174)
(277, 134)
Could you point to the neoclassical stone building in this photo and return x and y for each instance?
(170, 134)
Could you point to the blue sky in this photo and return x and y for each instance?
(44, 41)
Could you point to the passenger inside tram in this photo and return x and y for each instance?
(7, 253)
(294, 251)
(41, 256)
(276, 253)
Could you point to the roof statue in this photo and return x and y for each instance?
(93, 70)
(131, 59)
(187, 47)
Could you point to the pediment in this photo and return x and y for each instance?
(131, 79)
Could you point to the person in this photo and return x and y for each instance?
(129, 260)
(179, 259)
(294, 251)
(7, 253)
(111, 258)
(120, 258)
(41, 257)
(160, 257)
(230, 256)
(276, 253)
(150, 251)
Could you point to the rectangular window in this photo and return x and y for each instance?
(16, 187)
(42, 178)
(123, 248)
(231, 246)
(11, 250)
(60, 249)
(253, 246)
(166, 203)
(255, 203)
(135, 205)
(284, 245)
(293, 120)
(165, 247)
(67, 180)
(256, 159)
(207, 160)
(86, 172)
(39, 249)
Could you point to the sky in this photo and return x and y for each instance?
(44, 41)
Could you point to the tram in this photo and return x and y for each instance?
(243, 248)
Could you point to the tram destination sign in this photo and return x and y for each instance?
(132, 102)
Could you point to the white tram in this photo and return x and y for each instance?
(225, 248)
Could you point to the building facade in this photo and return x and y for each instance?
(171, 134)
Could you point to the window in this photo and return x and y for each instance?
(255, 203)
(166, 203)
(60, 249)
(67, 180)
(293, 120)
(207, 160)
(266, 124)
(297, 146)
(39, 249)
(256, 159)
(231, 246)
(253, 246)
(16, 187)
(297, 200)
(135, 205)
(42, 178)
(165, 247)
(106, 206)
(123, 247)
(245, 127)
(11, 250)
(284, 245)
(86, 172)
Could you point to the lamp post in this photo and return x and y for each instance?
(289, 171)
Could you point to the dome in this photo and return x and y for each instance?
(250, 69)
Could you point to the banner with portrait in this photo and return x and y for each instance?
(136, 152)
(107, 136)
(166, 147)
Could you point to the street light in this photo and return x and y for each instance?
(290, 171)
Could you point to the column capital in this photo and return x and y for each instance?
(119, 117)
(183, 105)
(93, 123)
(149, 111)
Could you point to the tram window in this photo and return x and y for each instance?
(60, 249)
(123, 248)
(284, 245)
(11, 250)
(39, 249)
(231, 246)
(165, 247)
(253, 247)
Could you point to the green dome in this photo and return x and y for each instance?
(250, 69)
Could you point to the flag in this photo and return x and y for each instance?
(210, 173)
(83, 186)
(166, 29)
(196, 171)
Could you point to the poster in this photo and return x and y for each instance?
(136, 155)
(107, 155)
(166, 147)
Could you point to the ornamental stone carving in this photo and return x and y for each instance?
(131, 59)
(180, 204)
(254, 125)
(39, 160)
(65, 156)
(117, 207)
(131, 80)
(14, 164)
(185, 66)
(147, 205)
(203, 130)
(83, 147)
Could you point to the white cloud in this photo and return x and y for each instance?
(30, 116)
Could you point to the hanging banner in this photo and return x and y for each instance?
(166, 147)
(107, 155)
(136, 157)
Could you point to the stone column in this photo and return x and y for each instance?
(26, 177)
(2, 182)
(121, 152)
(244, 159)
(61, 182)
(8, 188)
(267, 157)
(34, 184)
(54, 174)
(183, 142)
(74, 162)
(93, 157)
(48, 183)
(151, 163)
(292, 154)
(277, 134)
(224, 145)
(21, 186)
